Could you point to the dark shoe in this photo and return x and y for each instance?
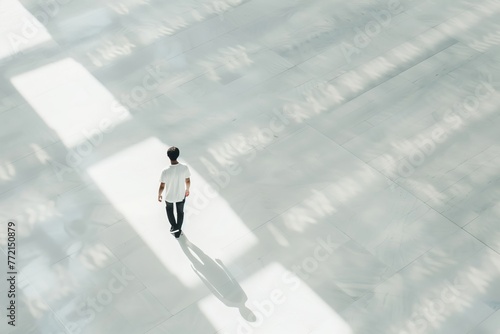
(178, 234)
(174, 230)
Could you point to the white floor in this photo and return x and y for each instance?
(345, 165)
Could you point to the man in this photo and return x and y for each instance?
(175, 180)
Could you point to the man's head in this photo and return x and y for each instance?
(173, 153)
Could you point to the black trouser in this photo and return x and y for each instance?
(180, 213)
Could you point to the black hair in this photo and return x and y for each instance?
(173, 153)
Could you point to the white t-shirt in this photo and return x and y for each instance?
(174, 177)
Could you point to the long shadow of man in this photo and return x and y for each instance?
(217, 278)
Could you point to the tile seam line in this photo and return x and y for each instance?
(385, 81)
(416, 197)
(208, 41)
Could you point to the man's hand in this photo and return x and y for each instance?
(160, 191)
(188, 184)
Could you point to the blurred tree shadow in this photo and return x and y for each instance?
(218, 279)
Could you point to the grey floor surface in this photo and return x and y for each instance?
(345, 165)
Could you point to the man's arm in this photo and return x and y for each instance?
(188, 184)
(160, 191)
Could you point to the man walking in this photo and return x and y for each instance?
(175, 181)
